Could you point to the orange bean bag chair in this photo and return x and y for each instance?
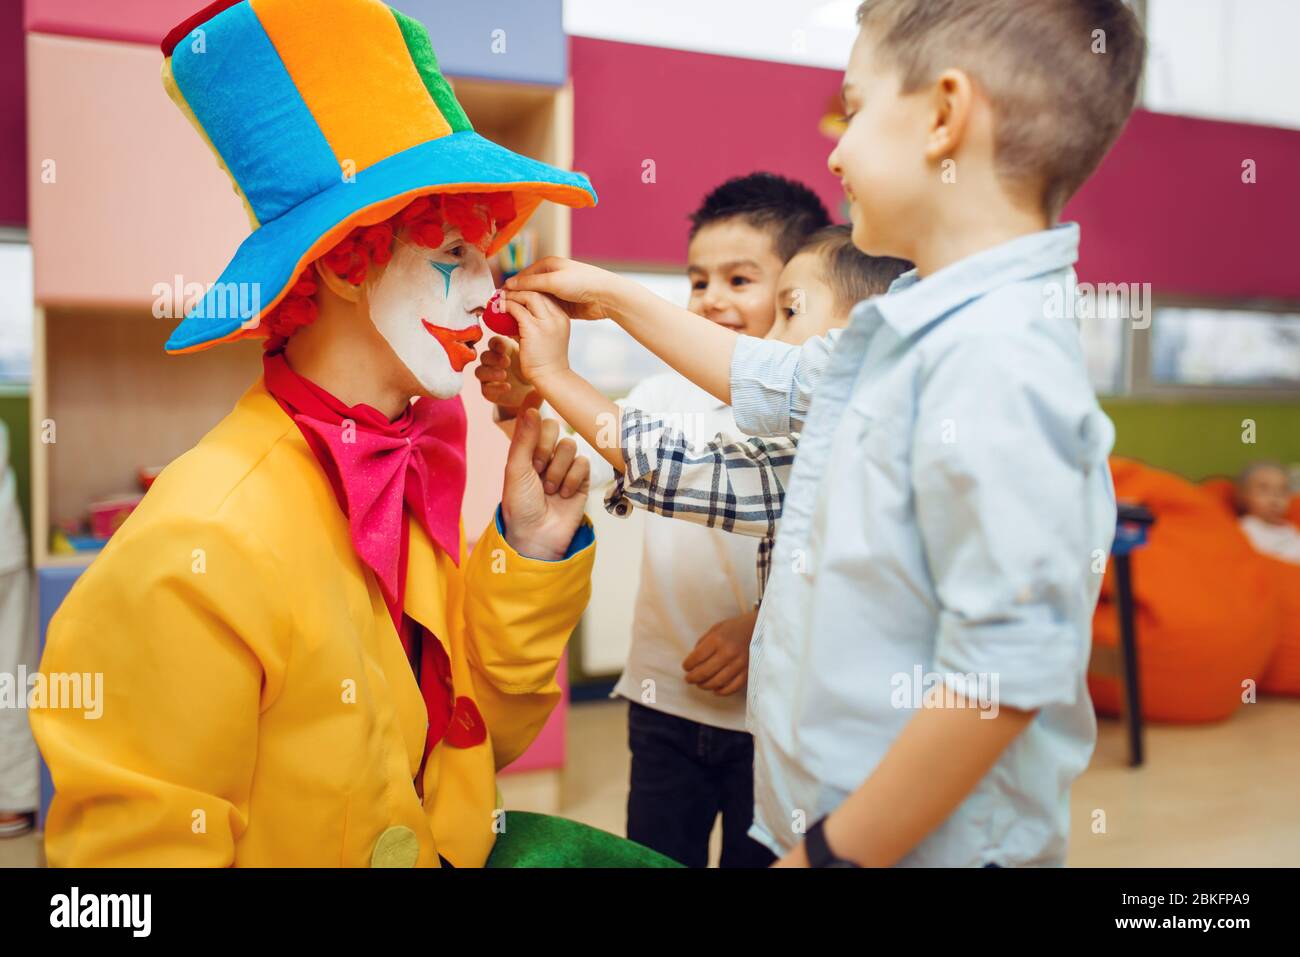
(1208, 607)
(1283, 674)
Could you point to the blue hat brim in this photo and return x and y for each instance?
(270, 260)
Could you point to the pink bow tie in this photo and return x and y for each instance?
(379, 473)
(378, 469)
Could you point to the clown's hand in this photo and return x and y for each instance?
(501, 378)
(546, 487)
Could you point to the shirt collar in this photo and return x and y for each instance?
(913, 302)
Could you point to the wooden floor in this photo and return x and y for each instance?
(1209, 795)
(1224, 795)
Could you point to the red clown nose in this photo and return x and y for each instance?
(497, 319)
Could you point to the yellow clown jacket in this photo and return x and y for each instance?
(258, 708)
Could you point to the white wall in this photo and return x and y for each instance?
(809, 32)
(1224, 59)
(15, 311)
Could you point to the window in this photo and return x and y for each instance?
(1223, 59)
(15, 313)
(1104, 332)
(1225, 347)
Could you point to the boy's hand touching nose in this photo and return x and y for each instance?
(697, 348)
(543, 336)
(588, 292)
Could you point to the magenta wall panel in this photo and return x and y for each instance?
(13, 117)
(701, 119)
(1168, 206)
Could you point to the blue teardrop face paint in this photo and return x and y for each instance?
(429, 310)
(446, 269)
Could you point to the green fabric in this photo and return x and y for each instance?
(426, 61)
(540, 840)
(1199, 438)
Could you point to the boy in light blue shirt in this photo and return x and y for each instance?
(917, 676)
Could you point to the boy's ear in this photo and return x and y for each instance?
(337, 284)
(953, 100)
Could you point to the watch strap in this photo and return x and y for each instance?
(819, 852)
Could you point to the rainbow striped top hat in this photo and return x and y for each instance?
(328, 115)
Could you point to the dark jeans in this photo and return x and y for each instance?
(683, 775)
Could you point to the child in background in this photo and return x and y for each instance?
(18, 768)
(695, 607)
(1262, 499)
(917, 683)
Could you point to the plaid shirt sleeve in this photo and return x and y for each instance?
(732, 483)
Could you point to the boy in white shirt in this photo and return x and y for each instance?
(18, 769)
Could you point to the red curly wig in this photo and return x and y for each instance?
(477, 215)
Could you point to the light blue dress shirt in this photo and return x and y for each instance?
(947, 523)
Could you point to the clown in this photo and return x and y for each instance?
(303, 665)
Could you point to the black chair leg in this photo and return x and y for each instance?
(1128, 644)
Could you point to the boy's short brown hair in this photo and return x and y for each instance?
(850, 273)
(1059, 105)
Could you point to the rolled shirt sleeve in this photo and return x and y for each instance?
(772, 383)
(1003, 477)
(733, 483)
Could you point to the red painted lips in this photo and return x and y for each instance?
(459, 343)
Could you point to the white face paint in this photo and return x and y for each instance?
(427, 304)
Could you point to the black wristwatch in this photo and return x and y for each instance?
(819, 852)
